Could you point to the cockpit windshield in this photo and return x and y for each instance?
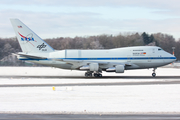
(159, 49)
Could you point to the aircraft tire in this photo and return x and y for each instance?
(88, 74)
(154, 74)
(100, 75)
(95, 75)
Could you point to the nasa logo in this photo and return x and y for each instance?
(27, 39)
(23, 38)
(42, 46)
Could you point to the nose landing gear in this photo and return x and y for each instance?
(154, 72)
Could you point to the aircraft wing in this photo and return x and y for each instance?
(74, 62)
(78, 61)
(85, 62)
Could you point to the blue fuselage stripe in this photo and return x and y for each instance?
(116, 58)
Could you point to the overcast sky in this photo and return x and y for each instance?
(70, 18)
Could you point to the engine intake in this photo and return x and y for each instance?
(94, 67)
(120, 69)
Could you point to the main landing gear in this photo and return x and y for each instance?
(89, 74)
(97, 75)
(154, 72)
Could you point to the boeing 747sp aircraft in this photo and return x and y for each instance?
(35, 50)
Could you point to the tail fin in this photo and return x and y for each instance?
(28, 40)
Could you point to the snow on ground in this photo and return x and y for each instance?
(146, 98)
(87, 99)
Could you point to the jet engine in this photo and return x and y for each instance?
(117, 69)
(90, 67)
(94, 67)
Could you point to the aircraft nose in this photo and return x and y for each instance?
(173, 58)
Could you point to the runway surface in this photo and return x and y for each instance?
(166, 80)
(95, 84)
(82, 77)
(89, 116)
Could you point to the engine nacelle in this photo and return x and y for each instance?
(119, 68)
(94, 67)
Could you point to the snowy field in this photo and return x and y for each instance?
(87, 99)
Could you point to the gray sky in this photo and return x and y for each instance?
(70, 18)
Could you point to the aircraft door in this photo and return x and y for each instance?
(79, 54)
(149, 58)
(128, 58)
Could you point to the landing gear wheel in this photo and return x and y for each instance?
(154, 74)
(97, 75)
(100, 75)
(88, 74)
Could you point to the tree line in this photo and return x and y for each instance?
(105, 41)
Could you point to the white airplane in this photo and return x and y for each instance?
(35, 50)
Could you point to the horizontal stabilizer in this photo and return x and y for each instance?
(32, 56)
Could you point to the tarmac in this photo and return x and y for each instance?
(25, 116)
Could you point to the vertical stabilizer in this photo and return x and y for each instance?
(28, 40)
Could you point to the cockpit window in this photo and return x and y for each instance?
(159, 49)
